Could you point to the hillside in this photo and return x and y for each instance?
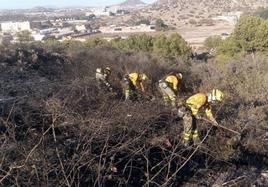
(58, 129)
(233, 4)
(195, 20)
(130, 4)
(179, 13)
(199, 12)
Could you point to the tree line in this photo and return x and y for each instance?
(250, 35)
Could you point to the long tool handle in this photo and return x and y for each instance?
(223, 127)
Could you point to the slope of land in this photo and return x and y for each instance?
(58, 129)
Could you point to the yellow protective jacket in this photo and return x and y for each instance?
(197, 101)
(134, 78)
(173, 81)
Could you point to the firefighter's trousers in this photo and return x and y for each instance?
(130, 91)
(190, 131)
(168, 93)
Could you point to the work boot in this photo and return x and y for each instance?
(186, 143)
(196, 141)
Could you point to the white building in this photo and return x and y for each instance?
(47, 31)
(38, 37)
(15, 26)
(100, 11)
(64, 32)
(81, 28)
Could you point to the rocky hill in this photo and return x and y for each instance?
(195, 20)
(198, 12)
(132, 4)
(233, 4)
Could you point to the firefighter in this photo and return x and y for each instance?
(34, 56)
(191, 112)
(168, 87)
(102, 77)
(20, 56)
(133, 85)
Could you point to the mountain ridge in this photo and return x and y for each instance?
(132, 3)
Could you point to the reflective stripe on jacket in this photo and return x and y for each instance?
(197, 101)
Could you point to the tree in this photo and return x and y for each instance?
(137, 43)
(245, 32)
(24, 36)
(144, 43)
(161, 45)
(212, 42)
(174, 46)
(261, 41)
(95, 41)
(160, 25)
(178, 47)
(229, 47)
(143, 21)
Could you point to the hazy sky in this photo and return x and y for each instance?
(14, 4)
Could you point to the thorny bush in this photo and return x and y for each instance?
(58, 129)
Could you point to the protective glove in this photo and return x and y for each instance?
(214, 122)
(181, 111)
(198, 116)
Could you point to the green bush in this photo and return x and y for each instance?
(250, 35)
(24, 36)
(94, 41)
(261, 41)
(170, 47)
(229, 47)
(245, 32)
(134, 43)
(160, 25)
(178, 47)
(212, 42)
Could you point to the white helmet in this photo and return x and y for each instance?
(179, 75)
(215, 95)
(98, 70)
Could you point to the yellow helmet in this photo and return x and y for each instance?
(215, 95)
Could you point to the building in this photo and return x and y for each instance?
(100, 11)
(48, 31)
(15, 26)
(81, 28)
(38, 37)
(39, 25)
(64, 32)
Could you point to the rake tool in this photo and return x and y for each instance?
(234, 139)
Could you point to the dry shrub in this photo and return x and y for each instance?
(61, 130)
(244, 83)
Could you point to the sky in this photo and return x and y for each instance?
(22, 4)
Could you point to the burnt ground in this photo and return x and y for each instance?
(58, 129)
